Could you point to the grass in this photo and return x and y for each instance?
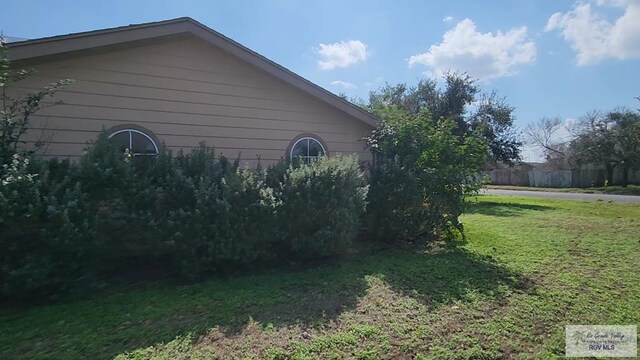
(527, 268)
(612, 189)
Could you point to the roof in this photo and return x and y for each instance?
(63, 45)
(8, 39)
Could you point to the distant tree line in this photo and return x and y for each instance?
(607, 139)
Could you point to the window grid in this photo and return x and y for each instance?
(307, 141)
(130, 133)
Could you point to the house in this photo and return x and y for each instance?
(177, 83)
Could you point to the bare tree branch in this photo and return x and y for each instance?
(541, 134)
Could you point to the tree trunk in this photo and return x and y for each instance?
(609, 173)
(625, 176)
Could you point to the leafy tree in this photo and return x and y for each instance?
(493, 119)
(594, 143)
(18, 107)
(461, 101)
(611, 139)
(626, 152)
(422, 172)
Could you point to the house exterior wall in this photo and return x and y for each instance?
(185, 92)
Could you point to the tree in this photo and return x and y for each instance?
(626, 151)
(594, 143)
(492, 117)
(421, 174)
(17, 107)
(541, 134)
(611, 139)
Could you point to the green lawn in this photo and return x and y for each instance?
(612, 189)
(527, 268)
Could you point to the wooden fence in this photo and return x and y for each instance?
(545, 177)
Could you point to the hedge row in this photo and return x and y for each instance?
(64, 223)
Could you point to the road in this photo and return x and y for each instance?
(628, 199)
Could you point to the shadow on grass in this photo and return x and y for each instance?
(504, 208)
(104, 326)
(452, 274)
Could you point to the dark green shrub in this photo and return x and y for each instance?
(422, 172)
(119, 206)
(319, 206)
(212, 217)
(231, 225)
(395, 206)
(45, 240)
(77, 222)
(104, 171)
(46, 244)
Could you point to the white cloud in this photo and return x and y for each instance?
(344, 84)
(341, 54)
(482, 55)
(593, 37)
(447, 19)
(532, 153)
(564, 132)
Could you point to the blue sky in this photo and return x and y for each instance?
(549, 58)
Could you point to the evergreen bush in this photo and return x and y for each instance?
(320, 205)
(66, 224)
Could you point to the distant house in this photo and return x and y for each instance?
(177, 83)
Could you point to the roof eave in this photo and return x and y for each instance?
(51, 46)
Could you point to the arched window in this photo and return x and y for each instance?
(307, 148)
(137, 142)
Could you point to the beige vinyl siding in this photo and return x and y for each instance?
(185, 92)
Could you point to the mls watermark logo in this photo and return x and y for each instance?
(601, 340)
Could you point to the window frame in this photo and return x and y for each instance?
(132, 130)
(307, 137)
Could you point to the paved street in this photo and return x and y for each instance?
(563, 195)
